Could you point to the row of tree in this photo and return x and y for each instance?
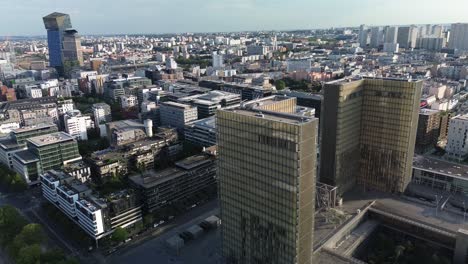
(26, 242)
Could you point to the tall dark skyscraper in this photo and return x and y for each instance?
(369, 133)
(64, 43)
(267, 182)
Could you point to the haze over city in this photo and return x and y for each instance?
(164, 16)
(233, 132)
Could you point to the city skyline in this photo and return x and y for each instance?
(156, 17)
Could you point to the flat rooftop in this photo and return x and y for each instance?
(177, 105)
(26, 156)
(354, 79)
(33, 128)
(7, 143)
(428, 112)
(153, 178)
(126, 124)
(53, 175)
(277, 117)
(207, 123)
(440, 166)
(193, 161)
(49, 139)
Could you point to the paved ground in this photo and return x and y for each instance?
(202, 250)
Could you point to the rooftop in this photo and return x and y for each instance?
(192, 162)
(253, 108)
(441, 166)
(126, 124)
(7, 143)
(428, 112)
(49, 139)
(358, 78)
(32, 128)
(92, 203)
(153, 178)
(207, 123)
(177, 105)
(26, 156)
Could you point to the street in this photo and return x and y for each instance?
(154, 251)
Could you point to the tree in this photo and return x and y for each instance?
(120, 235)
(30, 234)
(280, 85)
(11, 223)
(29, 254)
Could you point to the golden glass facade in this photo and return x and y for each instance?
(369, 133)
(266, 169)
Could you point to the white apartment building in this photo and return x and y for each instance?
(128, 101)
(77, 125)
(457, 139)
(218, 60)
(33, 91)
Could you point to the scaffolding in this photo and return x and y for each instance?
(325, 196)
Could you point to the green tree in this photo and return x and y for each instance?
(11, 223)
(29, 254)
(280, 85)
(17, 183)
(119, 235)
(31, 234)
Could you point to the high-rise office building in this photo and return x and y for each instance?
(266, 173)
(391, 35)
(407, 37)
(370, 127)
(72, 47)
(63, 42)
(363, 36)
(459, 36)
(376, 37)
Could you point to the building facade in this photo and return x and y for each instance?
(77, 125)
(428, 130)
(267, 182)
(369, 134)
(45, 152)
(97, 216)
(459, 36)
(457, 140)
(178, 184)
(177, 115)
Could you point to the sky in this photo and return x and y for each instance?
(24, 17)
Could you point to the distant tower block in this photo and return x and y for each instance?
(149, 127)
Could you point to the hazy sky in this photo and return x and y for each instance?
(24, 17)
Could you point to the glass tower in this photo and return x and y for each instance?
(267, 168)
(369, 133)
(56, 24)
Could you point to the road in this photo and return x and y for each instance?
(154, 251)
